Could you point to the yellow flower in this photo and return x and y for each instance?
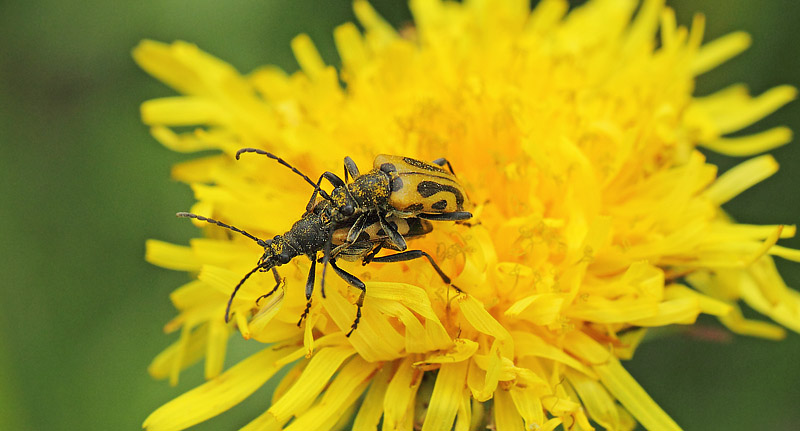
(575, 135)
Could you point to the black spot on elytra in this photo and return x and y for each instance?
(413, 208)
(397, 184)
(429, 188)
(388, 168)
(440, 205)
(416, 227)
(422, 165)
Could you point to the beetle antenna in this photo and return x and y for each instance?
(236, 289)
(284, 163)
(260, 241)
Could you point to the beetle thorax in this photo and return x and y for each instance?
(340, 199)
(307, 235)
(371, 190)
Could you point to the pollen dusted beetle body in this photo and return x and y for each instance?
(420, 188)
(358, 219)
(401, 186)
(396, 186)
(316, 232)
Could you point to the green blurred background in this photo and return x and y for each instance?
(83, 185)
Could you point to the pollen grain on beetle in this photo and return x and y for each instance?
(574, 135)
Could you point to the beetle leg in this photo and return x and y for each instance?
(310, 205)
(350, 167)
(355, 282)
(394, 237)
(416, 254)
(335, 182)
(441, 162)
(309, 288)
(333, 178)
(358, 228)
(369, 256)
(453, 216)
(326, 258)
(278, 281)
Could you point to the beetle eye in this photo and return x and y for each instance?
(284, 258)
(347, 210)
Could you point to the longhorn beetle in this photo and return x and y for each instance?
(376, 209)
(311, 234)
(399, 186)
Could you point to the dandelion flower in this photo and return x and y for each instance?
(576, 136)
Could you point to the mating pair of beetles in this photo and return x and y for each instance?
(376, 210)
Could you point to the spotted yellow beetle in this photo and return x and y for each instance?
(312, 234)
(422, 189)
(396, 186)
(358, 219)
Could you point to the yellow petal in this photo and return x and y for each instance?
(171, 64)
(462, 350)
(270, 307)
(583, 346)
(379, 33)
(786, 253)
(482, 321)
(492, 364)
(751, 144)
(643, 26)
(371, 410)
(186, 351)
(350, 46)
(346, 387)
(539, 309)
(171, 256)
(707, 304)
(399, 300)
(785, 311)
(375, 339)
(617, 311)
(599, 404)
(185, 143)
(193, 294)
(217, 395)
(741, 178)
(506, 417)
(533, 345)
(755, 109)
(630, 340)
(308, 56)
(546, 14)
(400, 395)
(682, 311)
(529, 406)
(315, 377)
(633, 397)
(218, 335)
(182, 111)
(464, 416)
(446, 397)
(719, 51)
